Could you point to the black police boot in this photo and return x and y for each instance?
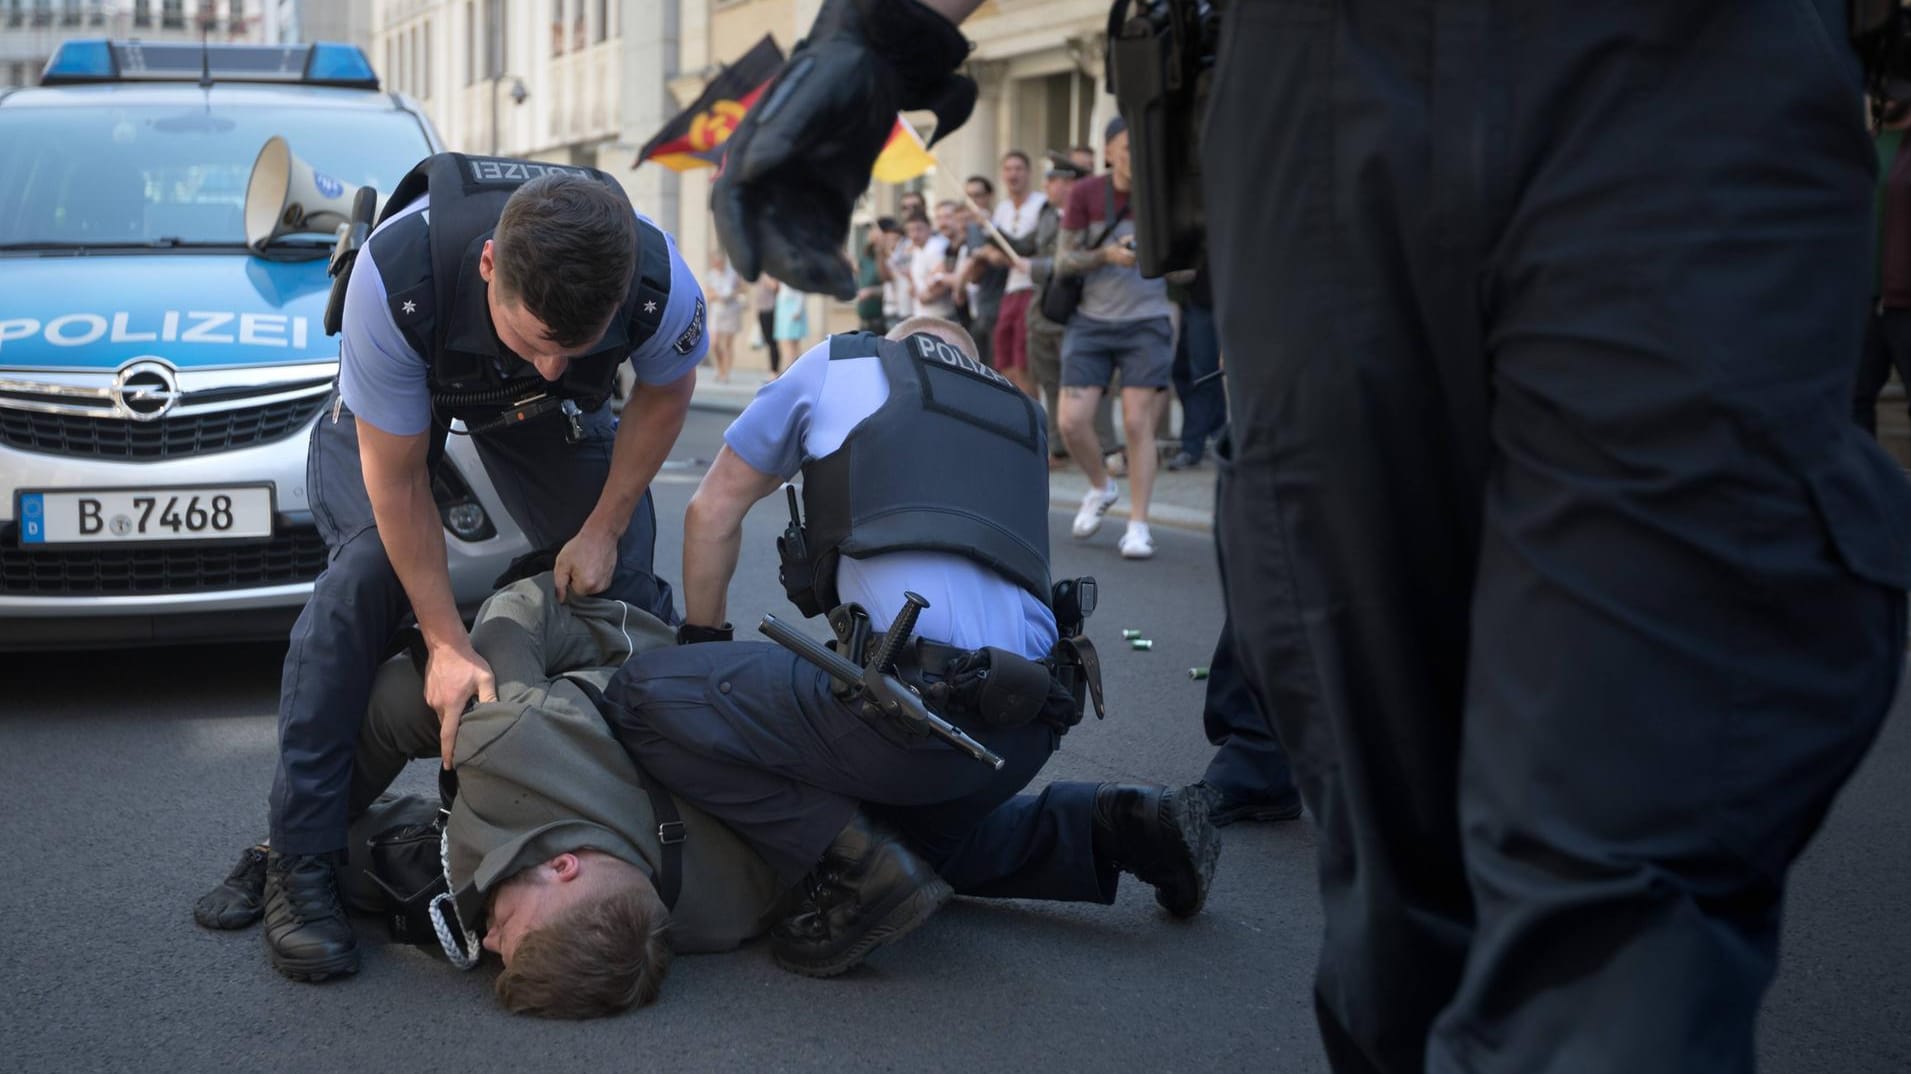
(240, 899)
(868, 890)
(306, 934)
(1225, 807)
(1162, 836)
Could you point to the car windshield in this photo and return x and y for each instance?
(172, 175)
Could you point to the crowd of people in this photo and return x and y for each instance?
(989, 260)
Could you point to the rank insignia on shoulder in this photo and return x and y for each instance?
(409, 305)
(691, 335)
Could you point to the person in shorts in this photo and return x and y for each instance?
(1125, 323)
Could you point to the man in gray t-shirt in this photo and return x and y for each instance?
(1124, 322)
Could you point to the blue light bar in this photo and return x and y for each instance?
(334, 64)
(323, 64)
(80, 61)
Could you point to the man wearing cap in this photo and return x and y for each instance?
(1044, 337)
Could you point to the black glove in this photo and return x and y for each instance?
(692, 634)
(792, 170)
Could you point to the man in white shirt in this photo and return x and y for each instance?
(1016, 216)
(932, 285)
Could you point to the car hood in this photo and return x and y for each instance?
(195, 311)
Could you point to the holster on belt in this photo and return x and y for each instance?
(996, 687)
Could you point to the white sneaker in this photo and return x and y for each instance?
(1095, 503)
(1137, 543)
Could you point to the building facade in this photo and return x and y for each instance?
(589, 81)
(293, 21)
(31, 29)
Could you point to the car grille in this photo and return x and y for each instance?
(294, 555)
(169, 437)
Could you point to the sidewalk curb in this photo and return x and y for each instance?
(1161, 514)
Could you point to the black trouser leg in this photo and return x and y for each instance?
(1597, 584)
(1874, 371)
(1248, 760)
(1351, 515)
(356, 607)
(1887, 346)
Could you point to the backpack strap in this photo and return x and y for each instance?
(663, 808)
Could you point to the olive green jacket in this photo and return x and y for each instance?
(540, 774)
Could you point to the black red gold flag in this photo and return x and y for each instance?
(694, 139)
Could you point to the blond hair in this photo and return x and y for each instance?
(598, 957)
(948, 331)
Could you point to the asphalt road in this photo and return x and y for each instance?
(128, 781)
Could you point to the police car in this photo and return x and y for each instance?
(158, 378)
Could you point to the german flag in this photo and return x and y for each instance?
(694, 139)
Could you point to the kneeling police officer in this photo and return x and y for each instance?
(502, 294)
(925, 474)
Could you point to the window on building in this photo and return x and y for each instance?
(580, 36)
(470, 41)
(42, 12)
(172, 14)
(142, 14)
(95, 13)
(236, 17)
(424, 64)
(603, 20)
(70, 12)
(557, 27)
(16, 13)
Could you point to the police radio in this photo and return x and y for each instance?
(1161, 57)
(794, 569)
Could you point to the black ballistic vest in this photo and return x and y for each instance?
(437, 297)
(956, 460)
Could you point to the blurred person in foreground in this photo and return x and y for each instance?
(1572, 587)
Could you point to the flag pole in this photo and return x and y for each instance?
(988, 226)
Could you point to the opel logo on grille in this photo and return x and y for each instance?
(146, 391)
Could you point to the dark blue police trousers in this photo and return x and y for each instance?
(357, 607)
(1573, 589)
(1248, 761)
(752, 734)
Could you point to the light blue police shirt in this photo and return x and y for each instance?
(807, 413)
(383, 380)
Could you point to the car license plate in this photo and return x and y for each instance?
(126, 516)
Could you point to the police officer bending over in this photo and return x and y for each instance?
(504, 294)
(924, 471)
